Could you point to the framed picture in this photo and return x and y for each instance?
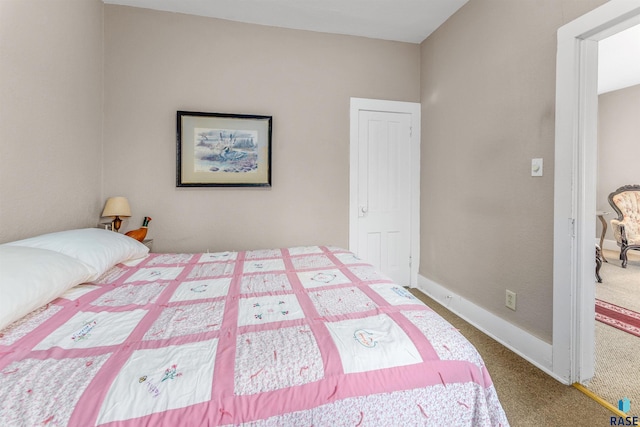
(230, 150)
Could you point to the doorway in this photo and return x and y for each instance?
(385, 186)
(618, 131)
(575, 185)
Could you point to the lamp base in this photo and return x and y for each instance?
(117, 222)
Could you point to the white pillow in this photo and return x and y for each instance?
(31, 278)
(98, 248)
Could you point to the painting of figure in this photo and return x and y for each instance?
(225, 150)
(222, 149)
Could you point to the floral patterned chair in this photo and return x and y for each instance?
(626, 228)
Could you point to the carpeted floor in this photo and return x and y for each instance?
(620, 286)
(529, 396)
(617, 370)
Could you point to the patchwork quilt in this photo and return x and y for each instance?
(298, 336)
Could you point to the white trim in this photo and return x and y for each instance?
(414, 109)
(574, 186)
(521, 342)
(610, 245)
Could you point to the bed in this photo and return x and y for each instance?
(111, 335)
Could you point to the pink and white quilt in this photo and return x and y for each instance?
(299, 336)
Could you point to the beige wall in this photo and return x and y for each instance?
(50, 115)
(618, 145)
(488, 96)
(160, 62)
(485, 79)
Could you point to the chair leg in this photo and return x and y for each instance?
(623, 256)
(598, 264)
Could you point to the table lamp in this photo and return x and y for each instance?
(115, 208)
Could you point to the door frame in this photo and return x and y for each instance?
(412, 108)
(575, 185)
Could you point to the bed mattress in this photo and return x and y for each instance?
(296, 336)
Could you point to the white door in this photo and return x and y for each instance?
(384, 203)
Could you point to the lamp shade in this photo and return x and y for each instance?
(117, 206)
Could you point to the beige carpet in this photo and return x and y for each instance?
(529, 396)
(620, 286)
(617, 369)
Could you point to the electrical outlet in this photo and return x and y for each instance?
(510, 300)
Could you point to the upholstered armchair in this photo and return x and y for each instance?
(626, 228)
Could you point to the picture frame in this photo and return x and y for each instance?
(223, 150)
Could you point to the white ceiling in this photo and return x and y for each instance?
(619, 60)
(401, 20)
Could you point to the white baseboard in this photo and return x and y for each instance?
(521, 342)
(611, 245)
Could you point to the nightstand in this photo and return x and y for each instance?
(105, 226)
(148, 243)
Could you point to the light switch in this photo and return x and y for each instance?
(536, 167)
